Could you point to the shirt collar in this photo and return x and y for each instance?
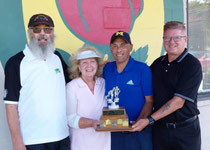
(30, 56)
(179, 59)
(27, 52)
(82, 84)
(128, 67)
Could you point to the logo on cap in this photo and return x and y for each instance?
(41, 17)
(119, 33)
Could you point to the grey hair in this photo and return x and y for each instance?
(175, 25)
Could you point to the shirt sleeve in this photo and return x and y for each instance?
(105, 71)
(12, 81)
(71, 101)
(189, 82)
(147, 81)
(65, 67)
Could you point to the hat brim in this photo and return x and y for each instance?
(45, 23)
(112, 40)
(87, 54)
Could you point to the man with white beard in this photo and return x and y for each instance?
(35, 86)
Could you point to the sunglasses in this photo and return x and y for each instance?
(38, 30)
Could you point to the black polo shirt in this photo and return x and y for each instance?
(181, 77)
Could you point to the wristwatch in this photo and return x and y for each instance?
(151, 120)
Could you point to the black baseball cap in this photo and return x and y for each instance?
(121, 34)
(40, 19)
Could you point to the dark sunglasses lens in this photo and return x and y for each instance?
(47, 30)
(37, 30)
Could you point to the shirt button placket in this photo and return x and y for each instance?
(167, 67)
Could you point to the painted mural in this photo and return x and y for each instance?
(91, 22)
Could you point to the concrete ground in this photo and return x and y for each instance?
(204, 107)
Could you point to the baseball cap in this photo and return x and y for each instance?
(40, 19)
(87, 54)
(121, 34)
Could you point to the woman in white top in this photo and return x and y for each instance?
(85, 100)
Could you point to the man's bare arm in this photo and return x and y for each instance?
(171, 106)
(147, 108)
(13, 122)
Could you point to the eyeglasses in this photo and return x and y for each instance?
(175, 38)
(38, 30)
(122, 46)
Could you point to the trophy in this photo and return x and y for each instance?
(114, 118)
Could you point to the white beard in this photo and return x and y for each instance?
(41, 51)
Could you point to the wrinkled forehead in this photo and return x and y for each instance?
(175, 31)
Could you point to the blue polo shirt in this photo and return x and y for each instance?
(134, 82)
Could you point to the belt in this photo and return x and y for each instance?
(180, 124)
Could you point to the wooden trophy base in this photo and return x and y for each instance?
(114, 120)
(99, 129)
